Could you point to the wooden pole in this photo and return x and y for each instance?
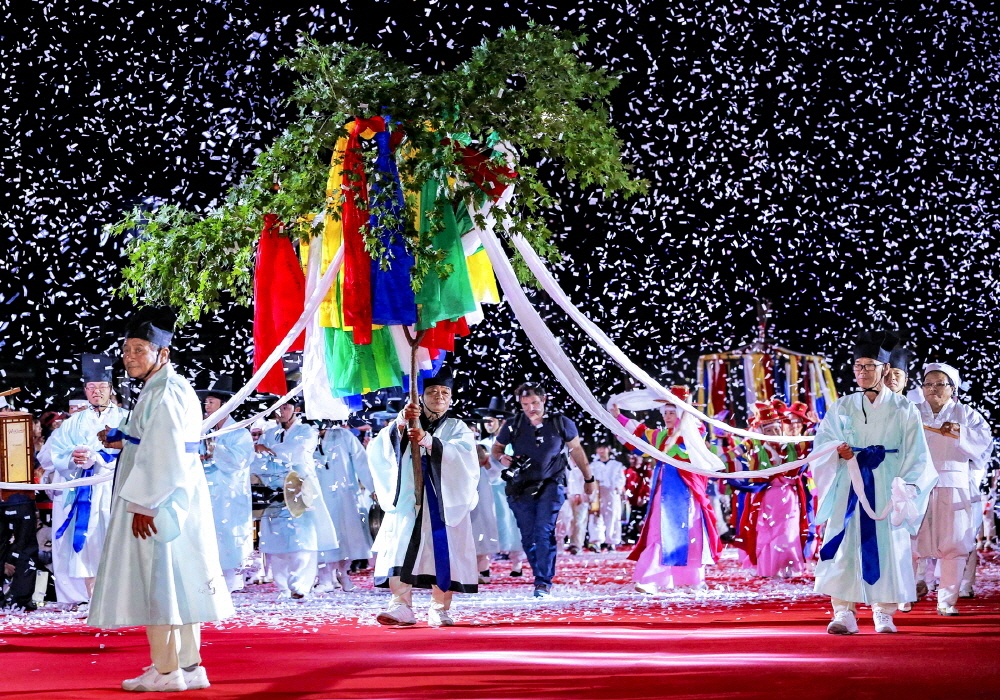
(418, 472)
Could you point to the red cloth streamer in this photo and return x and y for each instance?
(279, 293)
(442, 335)
(357, 263)
(482, 170)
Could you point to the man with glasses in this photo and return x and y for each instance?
(958, 438)
(536, 477)
(879, 437)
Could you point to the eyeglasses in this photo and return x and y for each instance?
(935, 385)
(867, 367)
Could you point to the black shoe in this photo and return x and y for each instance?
(517, 573)
(606, 547)
(542, 592)
(573, 549)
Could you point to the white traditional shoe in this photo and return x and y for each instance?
(345, 581)
(197, 678)
(647, 588)
(325, 587)
(439, 617)
(947, 610)
(844, 622)
(152, 681)
(883, 623)
(397, 614)
(905, 607)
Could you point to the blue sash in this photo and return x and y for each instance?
(675, 500)
(869, 458)
(439, 535)
(79, 512)
(116, 435)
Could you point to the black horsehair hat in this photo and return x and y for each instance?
(96, 368)
(152, 323)
(496, 409)
(877, 345)
(222, 389)
(901, 357)
(442, 378)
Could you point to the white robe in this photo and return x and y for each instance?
(893, 422)
(228, 475)
(341, 471)
(393, 476)
(484, 516)
(280, 533)
(80, 430)
(605, 527)
(173, 577)
(949, 527)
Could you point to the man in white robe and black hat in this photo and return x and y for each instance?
(880, 447)
(227, 459)
(295, 529)
(160, 564)
(958, 436)
(426, 536)
(81, 515)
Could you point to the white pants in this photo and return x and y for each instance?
(234, 580)
(842, 605)
(403, 593)
(578, 520)
(294, 572)
(606, 526)
(174, 646)
(969, 576)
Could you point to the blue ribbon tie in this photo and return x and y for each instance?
(439, 535)
(79, 513)
(115, 435)
(869, 458)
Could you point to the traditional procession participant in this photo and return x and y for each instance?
(160, 564)
(81, 515)
(536, 487)
(605, 526)
(341, 472)
(957, 436)
(773, 525)
(509, 537)
(227, 459)
(293, 532)
(426, 536)
(679, 536)
(879, 438)
(484, 517)
(899, 372)
(575, 513)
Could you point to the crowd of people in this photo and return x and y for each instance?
(891, 509)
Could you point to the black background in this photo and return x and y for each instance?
(838, 158)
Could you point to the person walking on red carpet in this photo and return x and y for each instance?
(957, 436)
(881, 453)
(773, 524)
(160, 564)
(425, 542)
(679, 536)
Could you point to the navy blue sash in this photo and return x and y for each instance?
(869, 458)
(79, 512)
(439, 533)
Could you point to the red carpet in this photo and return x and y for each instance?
(611, 647)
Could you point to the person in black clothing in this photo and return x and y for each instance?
(536, 477)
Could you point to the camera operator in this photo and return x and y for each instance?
(536, 477)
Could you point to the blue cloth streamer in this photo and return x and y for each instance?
(439, 535)
(393, 302)
(869, 458)
(79, 512)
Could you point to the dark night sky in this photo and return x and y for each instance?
(838, 158)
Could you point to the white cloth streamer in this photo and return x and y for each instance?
(604, 342)
(311, 306)
(559, 363)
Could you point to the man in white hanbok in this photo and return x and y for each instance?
(605, 526)
(957, 436)
(292, 542)
(341, 472)
(880, 440)
(160, 564)
(484, 516)
(80, 516)
(508, 535)
(227, 459)
(426, 535)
